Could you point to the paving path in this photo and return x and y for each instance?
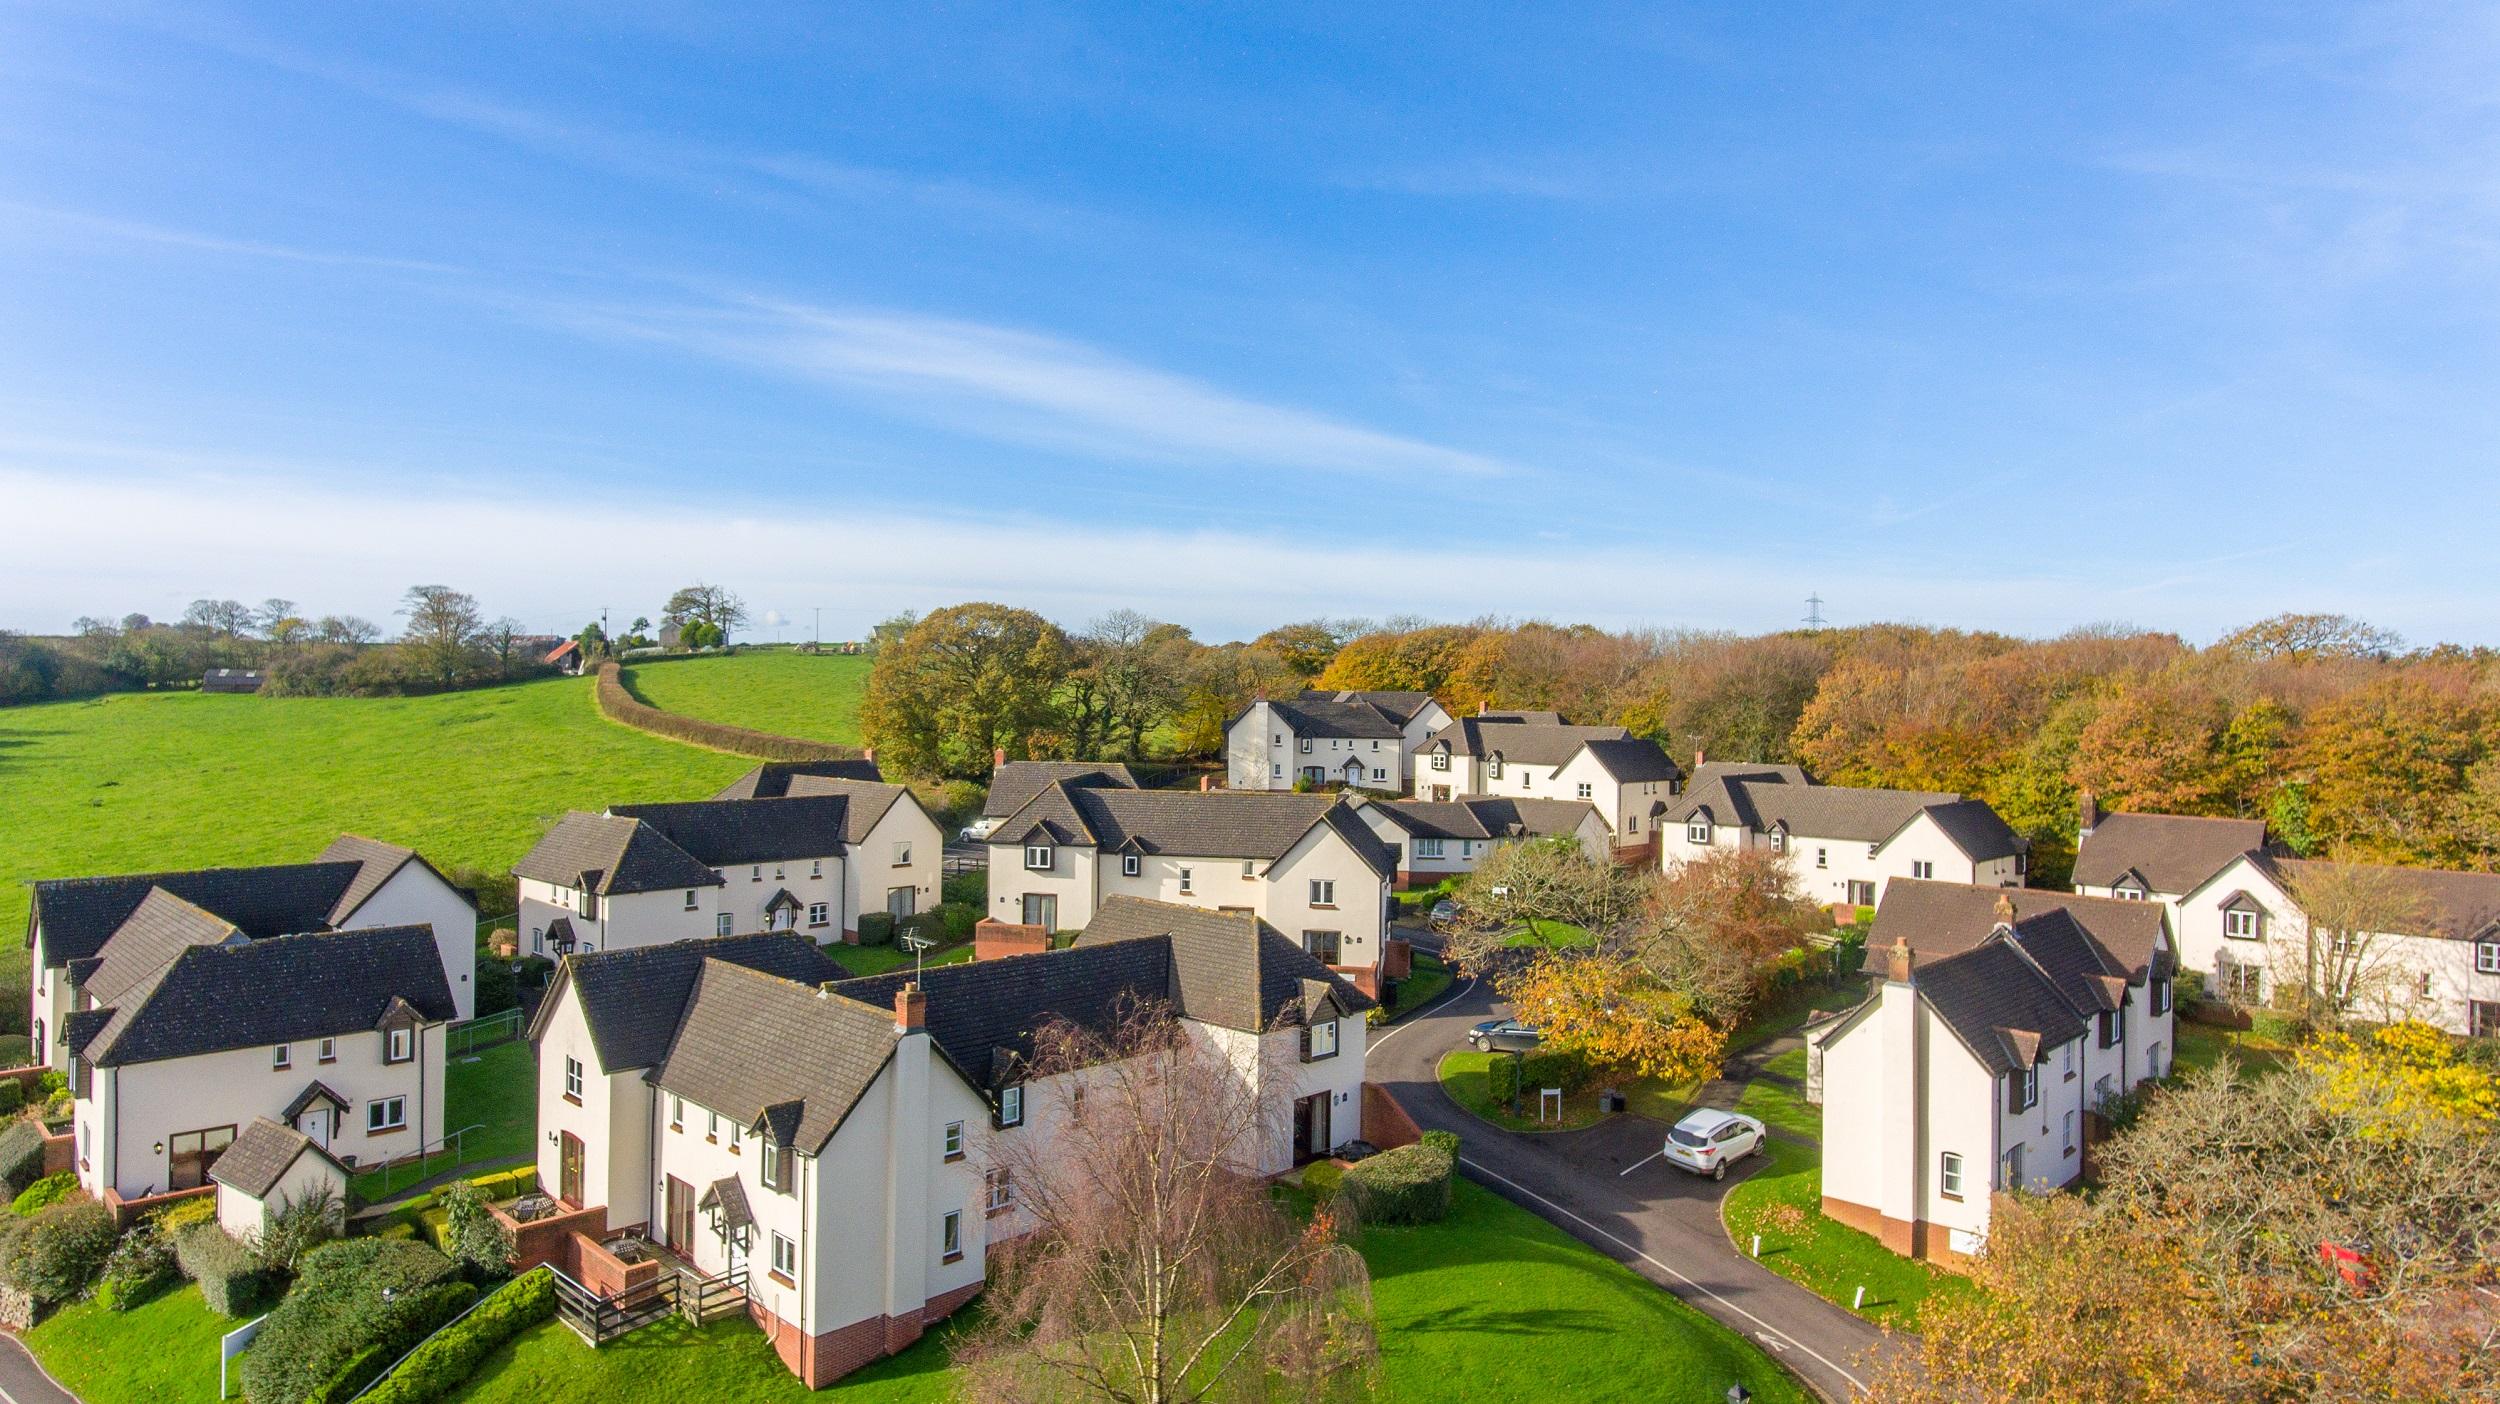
(1606, 1186)
(22, 1381)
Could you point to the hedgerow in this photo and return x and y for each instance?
(446, 1361)
(1409, 1185)
(622, 706)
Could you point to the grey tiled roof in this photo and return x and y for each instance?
(611, 855)
(1519, 743)
(1321, 714)
(2173, 853)
(315, 1091)
(162, 928)
(1015, 783)
(1756, 800)
(1632, 760)
(1261, 824)
(633, 998)
(730, 1198)
(286, 989)
(721, 833)
(772, 779)
(2455, 906)
(1486, 817)
(76, 915)
(1400, 705)
(865, 802)
(987, 1014)
(1991, 996)
(750, 1041)
(1229, 968)
(261, 1155)
(1943, 918)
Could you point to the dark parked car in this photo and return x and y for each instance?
(1504, 1036)
(1444, 914)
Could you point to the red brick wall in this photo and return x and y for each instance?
(130, 1211)
(819, 1361)
(1385, 1123)
(607, 1274)
(992, 938)
(551, 1239)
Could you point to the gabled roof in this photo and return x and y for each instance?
(724, 833)
(261, 1155)
(1015, 783)
(1486, 817)
(2455, 906)
(161, 929)
(750, 1041)
(1400, 705)
(1344, 716)
(1229, 968)
(557, 653)
(612, 855)
(376, 864)
(1998, 1003)
(730, 1198)
(634, 998)
(1759, 797)
(77, 915)
(1248, 824)
(286, 989)
(2173, 853)
(1519, 743)
(987, 1014)
(314, 1091)
(1631, 760)
(772, 779)
(1945, 918)
(865, 802)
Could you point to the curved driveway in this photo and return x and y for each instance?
(1662, 1223)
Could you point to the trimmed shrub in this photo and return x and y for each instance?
(356, 1305)
(232, 1280)
(53, 1082)
(12, 1097)
(141, 1266)
(446, 1362)
(620, 705)
(1543, 1068)
(58, 1253)
(21, 1155)
(1409, 1185)
(183, 1213)
(1323, 1178)
(959, 918)
(44, 1193)
(497, 990)
(876, 928)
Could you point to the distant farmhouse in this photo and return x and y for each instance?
(233, 680)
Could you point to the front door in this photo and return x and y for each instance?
(192, 1153)
(569, 1169)
(1310, 1127)
(1441, 794)
(680, 1227)
(901, 902)
(316, 1125)
(1041, 909)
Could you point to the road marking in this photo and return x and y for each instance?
(1774, 1342)
(1417, 1017)
(1637, 1164)
(1767, 1329)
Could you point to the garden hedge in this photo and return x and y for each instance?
(232, 1281)
(356, 1306)
(44, 1193)
(1543, 1068)
(876, 929)
(1409, 1185)
(141, 1266)
(448, 1359)
(620, 705)
(21, 1155)
(55, 1255)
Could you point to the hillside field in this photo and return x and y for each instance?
(812, 696)
(140, 782)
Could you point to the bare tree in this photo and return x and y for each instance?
(1531, 885)
(345, 629)
(442, 634)
(502, 639)
(272, 615)
(229, 618)
(2350, 955)
(1157, 1269)
(711, 605)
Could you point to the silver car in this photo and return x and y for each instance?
(1707, 1141)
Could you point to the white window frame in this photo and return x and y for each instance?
(1428, 847)
(1186, 889)
(819, 914)
(815, 867)
(902, 853)
(2487, 957)
(1011, 1105)
(326, 1051)
(399, 1045)
(1324, 1039)
(1323, 892)
(690, 899)
(785, 1257)
(1587, 791)
(1039, 857)
(998, 1188)
(1949, 1174)
(1131, 865)
(573, 1078)
(1922, 869)
(2240, 924)
(281, 1057)
(1440, 760)
(386, 1114)
(1697, 831)
(951, 1141)
(951, 1234)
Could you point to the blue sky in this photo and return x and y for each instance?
(2021, 317)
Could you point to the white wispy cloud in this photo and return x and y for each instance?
(134, 231)
(1024, 386)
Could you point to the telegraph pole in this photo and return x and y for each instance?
(819, 612)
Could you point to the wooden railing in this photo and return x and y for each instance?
(600, 1319)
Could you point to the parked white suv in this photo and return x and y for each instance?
(1707, 1141)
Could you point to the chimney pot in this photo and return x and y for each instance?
(1897, 961)
(911, 1009)
(998, 757)
(2087, 813)
(868, 753)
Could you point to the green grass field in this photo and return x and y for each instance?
(1493, 1303)
(471, 779)
(813, 696)
(162, 1352)
(1468, 1077)
(1784, 1203)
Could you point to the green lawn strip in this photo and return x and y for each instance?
(814, 696)
(470, 779)
(1790, 1013)
(1552, 935)
(672, 1361)
(1468, 1078)
(1496, 1303)
(495, 1089)
(877, 960)
(1826, 1257)
(1428, 981)
(2203, 1045)
(1790, 1065)
(1781, 1107)
(161, 1352)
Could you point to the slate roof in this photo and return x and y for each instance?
(283, 990)
(2455, 906)
(730, 1198)
(634, 998)
(1015, 783)
(1261, 824)
(315, 1091)
(1520, 743)
(771, 780)
(1999, 1004)
(865, 802)
(1345, 716)
(2173, 853)
(611, 855)
(77, 915)
(162, 928)
(986, 1015)
(750, 1041)
(377, 863)
(1486, 817)
(1400, 704)
(261, 1155)
(1758, 798)
(1632, 760)
(1229, 968)
(723, 833)
(1945, 918)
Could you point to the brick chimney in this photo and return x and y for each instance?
(911, 1009)
(2005, 909)
(868, 753)
(1897, 961)
(1701, 757)
(998, 757)
(2087, 815)
(1206, 784)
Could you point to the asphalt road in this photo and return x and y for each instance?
(1661, 1222)
(22, 1381)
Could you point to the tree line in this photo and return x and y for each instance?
(2344, 740)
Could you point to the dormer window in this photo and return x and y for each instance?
(1305, 745)
(776, 1172)
(1037, 857)
(1779, 839)
(2022, 1089)
(1493, 766)
(401, 1046)
(1011, 1105)
(1697, 829)
(590, 906)
(1131, 865)
(2239, 923)
(1319, 1041)
(1440, 760)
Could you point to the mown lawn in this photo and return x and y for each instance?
(1781, 1107)
(1468, 1077)
(140, 782)
(2203, 1045)
(1424, 984)
(789, 694)
(876, 960)
(1493, 1303)
(164, 1352)
(1783, 1202)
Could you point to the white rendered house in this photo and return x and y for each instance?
(1437, 839)
(1360, 740)
(1536, 755)
(355, 883)
(2000, 1022)
(1306, 864)
(829, 1142)
(1846, 845)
